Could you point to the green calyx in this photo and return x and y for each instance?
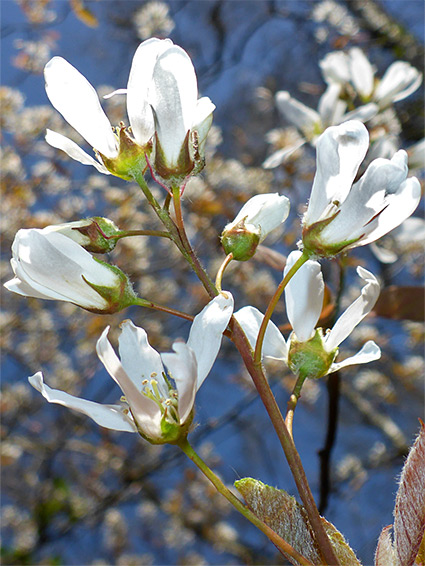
(176, 174)
(315, 246)
(131, 156)
(310, 359)
(240, 240)
(99, 232)
(118, 297)
(172, 432)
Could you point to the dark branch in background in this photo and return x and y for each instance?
(333, 388)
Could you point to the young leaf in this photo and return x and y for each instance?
(409, 511)
(289, 519)
(384, 554)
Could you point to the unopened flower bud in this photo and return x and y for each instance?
(93, 234)
(49, 265)
(240, 240)
(259, 216)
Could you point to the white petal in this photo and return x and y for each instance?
(53, 265)
(304, 296)
(202, 120)
(340, 150)
(145, 411)
(274, 345)
(399, 207)
(182, 367)
(139, 360)
(362, 113)
(207, 331)
(174, 98)
(384, 255)
(361, 71)
(335, 68)
(297, 113)
(139, 82)
(264, 211)
(355, 312)
(75, 98)
(73, 150)
(23, 285)
(279, 156)
(108, 416)
(368, 207)
(203, 110)
(368, 353)
(330, 108)
(399, 81)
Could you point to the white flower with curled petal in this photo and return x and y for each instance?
(342, 215)
(308, 352)
(311, 123)
(159, 404)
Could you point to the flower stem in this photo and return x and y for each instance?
(128, 233)
(194, 261)
(286, 441)
(272, 305)
(281, 544)
(254, 369)
(292, 403)
(220, 272)
(155, 306)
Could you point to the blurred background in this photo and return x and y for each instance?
(73, 493)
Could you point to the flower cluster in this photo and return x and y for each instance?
(168, 124)
(168, 129)
(349, 76)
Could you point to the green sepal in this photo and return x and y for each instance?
(314, 246)
(174, 176)
(131, 156)
(310, 359)
(118, 297)
(171, 432)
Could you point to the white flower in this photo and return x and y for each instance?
(161, 96)
(179, 114)
(49, 265)
(311, 123)
(342, 215)
(305, 349)
(399, 81)
(157, 409)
